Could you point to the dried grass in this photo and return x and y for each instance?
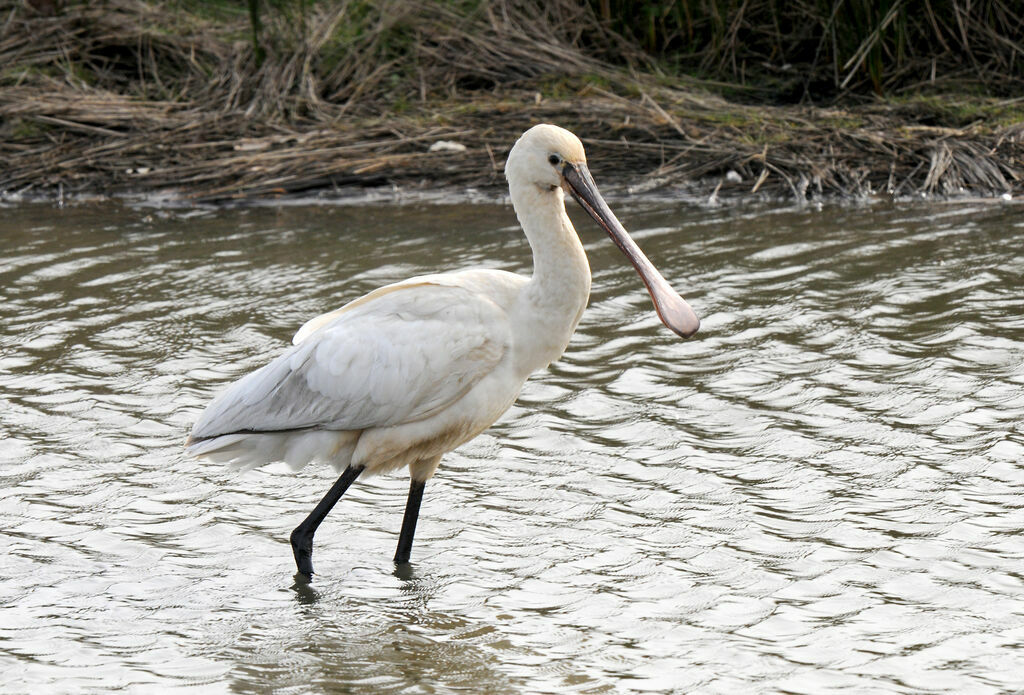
(130, 97)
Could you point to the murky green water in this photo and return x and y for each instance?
(822, 492)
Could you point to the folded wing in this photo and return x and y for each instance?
(399, 356)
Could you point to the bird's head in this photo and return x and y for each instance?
(552, 159)
(542, 154)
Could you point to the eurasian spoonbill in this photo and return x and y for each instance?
(412, 370)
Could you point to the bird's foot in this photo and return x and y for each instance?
(404, 571)
(302, 548)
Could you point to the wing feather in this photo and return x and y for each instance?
(396, 357)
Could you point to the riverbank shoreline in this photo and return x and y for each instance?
(86, 124)
(800, 153)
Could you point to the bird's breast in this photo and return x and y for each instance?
(541, 332)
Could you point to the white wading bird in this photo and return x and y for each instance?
(412, 370)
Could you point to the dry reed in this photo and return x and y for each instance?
(130, 97)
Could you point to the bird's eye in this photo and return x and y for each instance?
(554, 159)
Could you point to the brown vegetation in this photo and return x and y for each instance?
(130, 97)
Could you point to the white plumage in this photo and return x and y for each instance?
(403, 354)
(412, 370)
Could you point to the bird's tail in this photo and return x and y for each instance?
(247, 450)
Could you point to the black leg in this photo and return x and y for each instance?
(412, 513)
(302, 536)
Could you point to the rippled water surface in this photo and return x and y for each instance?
(823, 491)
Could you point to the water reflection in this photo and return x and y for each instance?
(377, 640)
(820, 492)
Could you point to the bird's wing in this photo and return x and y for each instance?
(392, 357)
(318, 322)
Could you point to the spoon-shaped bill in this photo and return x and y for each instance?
(672, 309)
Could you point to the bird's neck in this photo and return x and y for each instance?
(561, 273)
(557, 293)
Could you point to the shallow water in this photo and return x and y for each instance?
(820, 492)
